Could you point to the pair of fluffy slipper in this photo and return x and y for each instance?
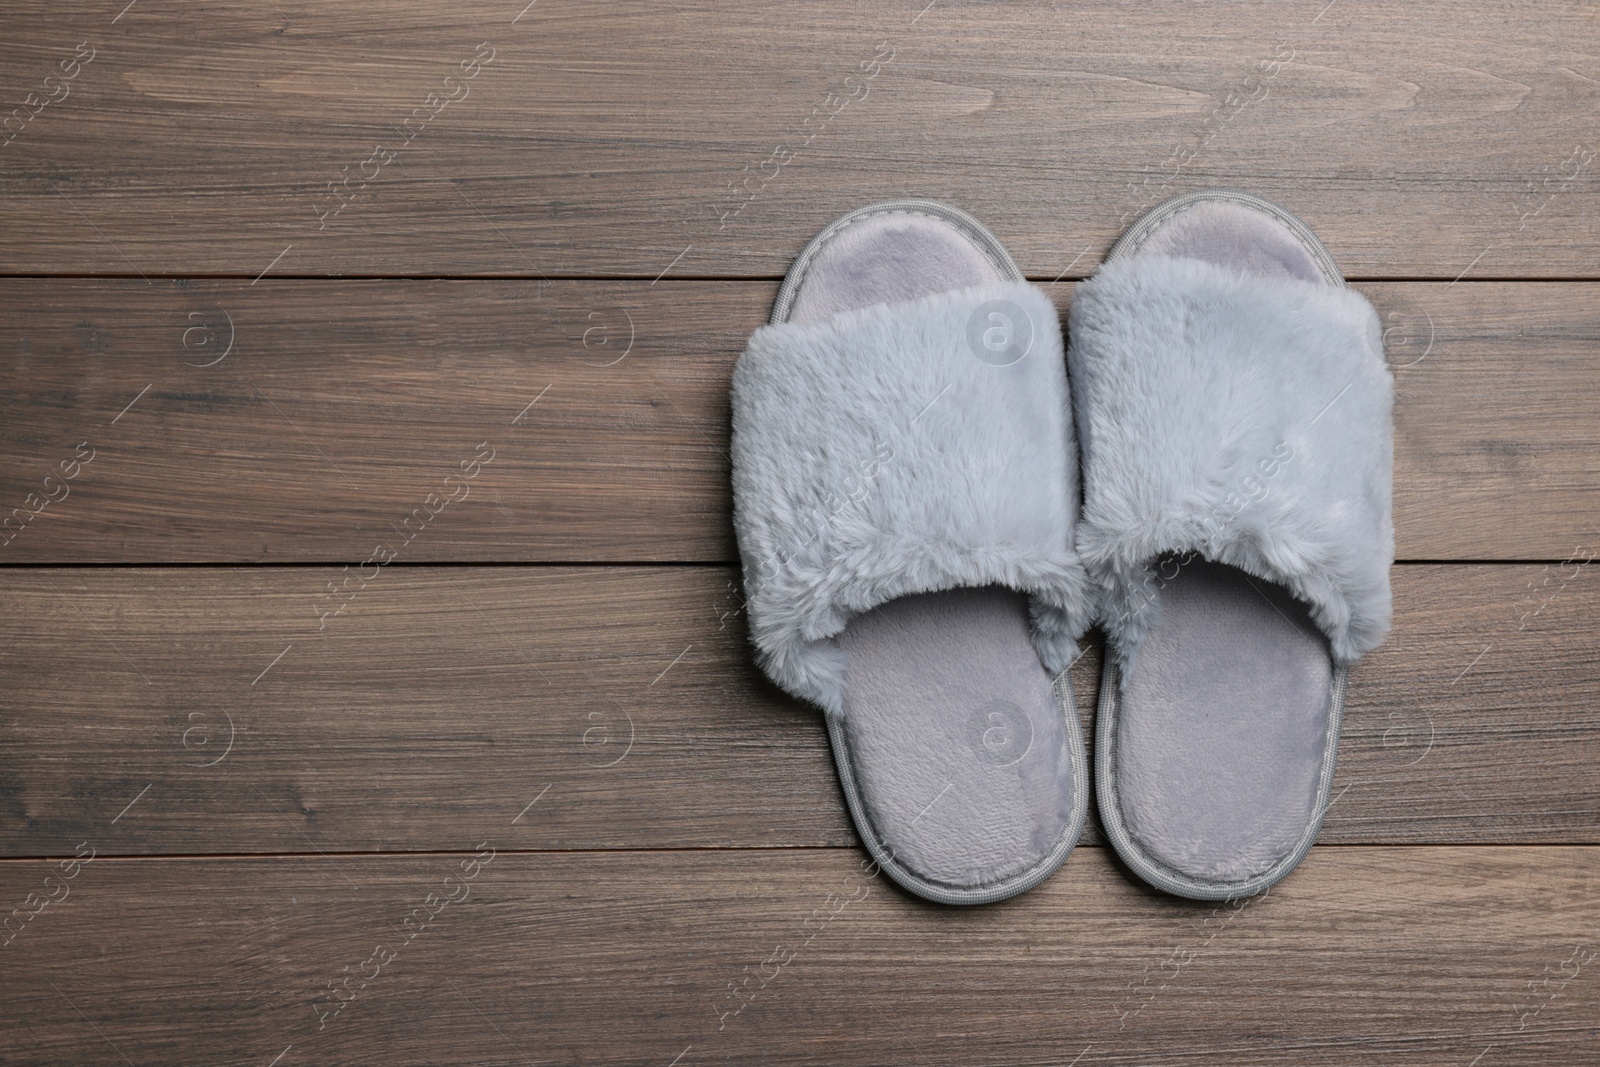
(909, 441)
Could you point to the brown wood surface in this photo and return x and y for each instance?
(1404, 956)
(256, 663)
(1421, 140)
(625, 702)
(341, 405)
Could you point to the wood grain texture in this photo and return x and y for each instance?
(340, 406)
(623, 704)
(277, 768)
(801, 958)
(615, 139)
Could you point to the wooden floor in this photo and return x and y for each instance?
(374, 685)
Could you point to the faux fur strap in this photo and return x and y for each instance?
(899, 449)
(1241, 418)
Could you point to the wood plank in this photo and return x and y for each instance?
(616, 140)
(799, 957)
(340, 406)
(1461, 378)
(623, 705)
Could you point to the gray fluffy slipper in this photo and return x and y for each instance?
(905, 491)
(1233, 406)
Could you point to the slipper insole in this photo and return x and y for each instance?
(957, 735)
(1223, 724)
